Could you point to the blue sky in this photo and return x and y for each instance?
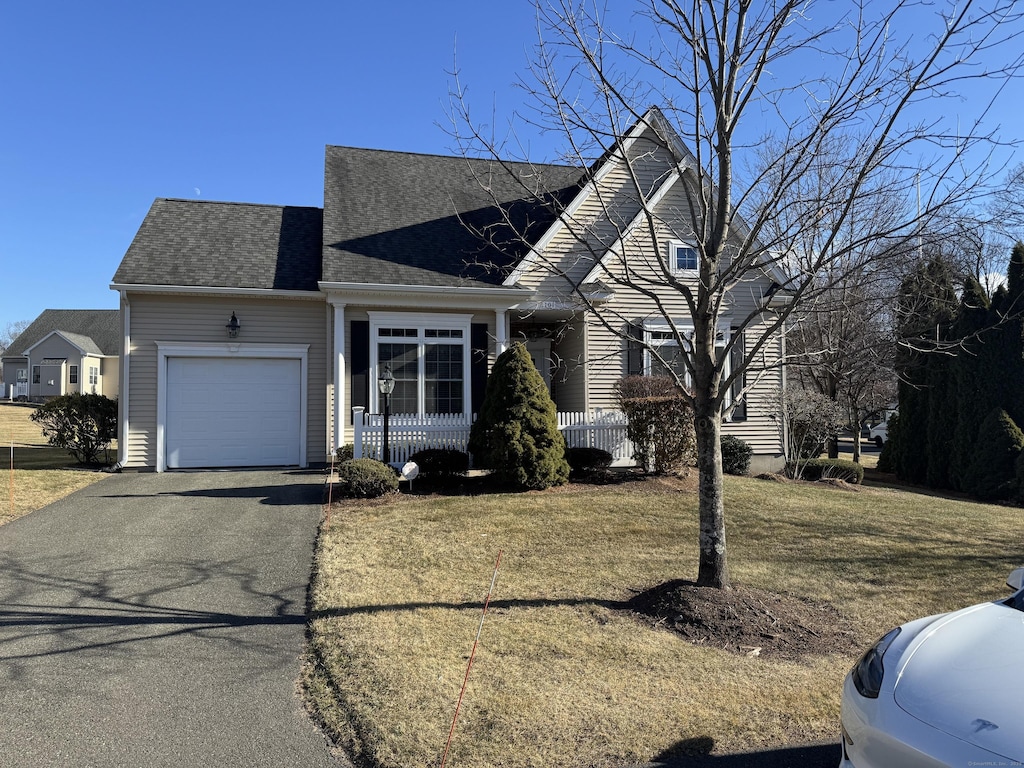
(108, 105)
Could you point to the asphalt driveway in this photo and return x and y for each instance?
(159, 620)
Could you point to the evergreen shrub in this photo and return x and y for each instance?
(586, 461)
(736, 456)
(992, 472)
(516, 433)
(365, 479)
(441, 463)
(85, 425)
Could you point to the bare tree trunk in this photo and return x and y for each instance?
(713, 570)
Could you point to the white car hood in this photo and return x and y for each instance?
(965, 675)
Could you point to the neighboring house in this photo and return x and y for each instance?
(65, 351)
(409, 265)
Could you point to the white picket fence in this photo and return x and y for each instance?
(408, 434)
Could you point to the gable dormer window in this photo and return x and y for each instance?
(683, 258)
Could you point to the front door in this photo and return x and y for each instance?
(540, 353)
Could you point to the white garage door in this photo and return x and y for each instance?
(232, 412)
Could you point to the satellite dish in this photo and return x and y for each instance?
(410, 470)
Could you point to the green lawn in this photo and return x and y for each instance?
(561, 678)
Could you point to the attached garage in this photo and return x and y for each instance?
(242, 410)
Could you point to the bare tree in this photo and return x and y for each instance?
(11, 331)
(794, 117)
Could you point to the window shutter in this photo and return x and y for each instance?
(634, 350)
(739, 413)
(479, 347)
(359, 363)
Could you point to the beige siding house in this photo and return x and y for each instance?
(65, 351)
(253, 334)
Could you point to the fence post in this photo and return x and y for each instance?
(357, 432)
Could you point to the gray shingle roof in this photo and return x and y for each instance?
(95, 330)
(229, 245)
(401, 218)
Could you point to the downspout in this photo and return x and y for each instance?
(339, 375)
(586, 363)
(122, 399)
(500, 331)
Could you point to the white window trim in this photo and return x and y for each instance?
(421, 322)
(685, 328)
(169, 349)
(672, 245)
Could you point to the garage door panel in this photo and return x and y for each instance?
(224, 412)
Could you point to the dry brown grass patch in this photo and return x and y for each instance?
(564, 676)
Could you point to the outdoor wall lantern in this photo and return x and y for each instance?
(233, 327)
(386, 385)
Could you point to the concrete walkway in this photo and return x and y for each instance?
(158, 620)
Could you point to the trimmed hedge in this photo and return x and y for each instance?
(585, 461)
(365, 479)
(833, 469)
(441, 462)
(735, 456)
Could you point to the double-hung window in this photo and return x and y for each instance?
(94, 375)
(671, 356)
(35, 374)
(72, 374)
(683, 258)
(429, 356)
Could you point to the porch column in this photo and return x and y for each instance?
(500, 331)
(339, 375)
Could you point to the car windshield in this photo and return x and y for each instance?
(1017, 601)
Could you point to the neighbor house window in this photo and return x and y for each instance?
(429, 358)
(94, 375)
(683, 257)
(22, 374)
(72, 374)
(35, 374)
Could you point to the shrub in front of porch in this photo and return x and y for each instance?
(660, 423)
(441, 463)
(516, 434)
(365, 479)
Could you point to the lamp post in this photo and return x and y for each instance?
(386, 385)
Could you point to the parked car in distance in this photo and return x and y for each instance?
(940, 691)
(879, 433)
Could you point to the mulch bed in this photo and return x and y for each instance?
(746, 620)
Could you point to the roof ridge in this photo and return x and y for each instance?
(450, 157)
(236, 202)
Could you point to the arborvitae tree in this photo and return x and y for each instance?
(991, 473)
(516, 433)
(925, 310)
(1004, 363)
(973, 388)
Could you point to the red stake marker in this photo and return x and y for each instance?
(472, 655)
